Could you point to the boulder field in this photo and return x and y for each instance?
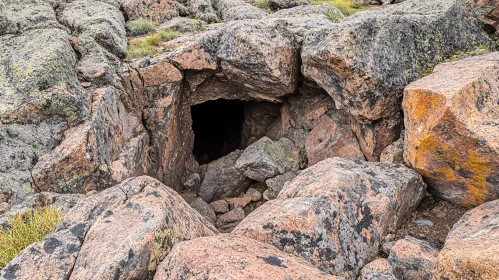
(280, 139)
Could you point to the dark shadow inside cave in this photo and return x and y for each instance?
(217, 128)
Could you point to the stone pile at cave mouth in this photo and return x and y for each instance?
(296, 183)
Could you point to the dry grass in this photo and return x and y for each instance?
(347, 7)
(25, 229)
(140, 26)
(149, 46)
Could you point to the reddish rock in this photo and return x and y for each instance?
(238, 202)
(379, 269)
(220, 206)
(413, 259)
(470, 250)
(253, 194)
(394, 153)
(233, 257)
(228, 221)
(257, 117)
(335, 213)
(452, 131)
(332, 137)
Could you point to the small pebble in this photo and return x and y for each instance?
(422, 223)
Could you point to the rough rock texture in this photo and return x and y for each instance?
(266, 159)
(276, 184)
(285, 4)
(220, 206)
(204, 209)
(379, 269)
(394, 153)
(413, 259)
(470, 250)
(306, 11)
(228, 221)
(257, 117)
(365, 61)
(452, 129)
(262, 56)
(148, 215)
(332, 137)
(155, 10)
(233, 257)
(335, 213)
(223, 179)
(231, 10)
(183, 25)
(202, 9)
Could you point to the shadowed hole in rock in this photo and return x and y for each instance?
(217, 128)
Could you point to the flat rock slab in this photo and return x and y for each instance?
(452, 129)
(470, 250)
(233, 257)
(335, 213)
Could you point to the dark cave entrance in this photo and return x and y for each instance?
(217, 127)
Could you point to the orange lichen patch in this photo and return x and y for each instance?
(448, 172)
(423, 103)
(478, 187)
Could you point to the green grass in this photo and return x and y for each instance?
(263, 4)
(334, 17)
(148, 46)
(25, 229)
(140, 26)
(347, 7)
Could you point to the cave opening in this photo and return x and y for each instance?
(217, 127)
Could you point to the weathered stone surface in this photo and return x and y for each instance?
(306, 11)
(335, 213)
(332, 137)
(394, 153)
(230, 10)
(220, 206)
(413, 259)
(233, 257)
(204, 209)
(452, 129)
(379, 269)
(365, 62)
(155, 10)
(148, 215)
(470, 250)
(228, 221)
(259, 55)
(276, 184)
(183, 24)
(38, 80)
(285, 4)
(238, 202)
(203, 9)
(266, 159)
(51, 258)
(257, 117)
(254, 194)
(100, 20)
(223, 179)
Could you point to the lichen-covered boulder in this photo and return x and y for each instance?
(336, 213)
(307, 11)
(285, 4)
(125, 230)
(233, 257)
(223, 179)
(231, 10)
(470, 250)
(203, 9)
(365, 61)
(266, 159)
(452, 132)
(413, 259)
(154, 10)
(379, 269)
(262, 56)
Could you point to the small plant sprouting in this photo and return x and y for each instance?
(263, 4)
(334, 17)
(140, 26)
(148, 46)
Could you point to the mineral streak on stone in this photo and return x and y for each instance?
(452, 129)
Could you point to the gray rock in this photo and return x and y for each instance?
(183, 24)
(413, 259)
(379, 269)
(228, 221)
(156, 10)
(192, 182)
(335, 213)
(423, 223)
(286, 4)
(203, 9)
(266, 159)
(231, 10)
(223, 179)
(254, 194)
(276, 184)
(204, 209)
(306, 11)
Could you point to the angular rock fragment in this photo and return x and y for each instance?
(470, 250)
(220, 206)
(204, 209)
(335, 213)
(228, 221)
(379, 269)
(223, 179)
(394, 153)
(413, 259)
(233, 257)
(155, 10)
(452, 129)
(267, 159)
(276, 184)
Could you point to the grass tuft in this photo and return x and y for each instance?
(140, 26)
(148, 46)
(263, 4)
(25, 229)
(347, 7)
(334, 17)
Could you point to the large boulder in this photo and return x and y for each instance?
(231, 10)
(365, 61)
(335, 213)
(154, 10)
(452, 133)
(202, 9)
(266, 159)
(223, 179)
(470, 250)
(262, 56)
(233, 257)
(125, 230)
(286, 4)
